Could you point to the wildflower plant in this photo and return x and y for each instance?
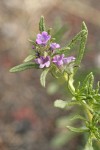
(48, 56)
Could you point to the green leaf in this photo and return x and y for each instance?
(43, 76)
(75, 39)
(98, 87)
(60, 103)
(83, 40)
(77, 129)
(49, 31)
(56, 72)
(23, 67)
(29, 58)
(78, 117)
(63, 50)
(84, 27)
(86, 83)
(42, 24)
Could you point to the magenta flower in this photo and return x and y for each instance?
(53, 46)
(58, 60)
(43, 61)
(43, 38)
(67, 60)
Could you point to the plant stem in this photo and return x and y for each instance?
(88, 145)
(89, 116)
(69, 79)
(87, 111)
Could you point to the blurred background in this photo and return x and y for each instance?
(28, 119)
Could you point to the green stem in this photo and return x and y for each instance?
(88, 145)
(69, 79)
(70, 84)
(87, 111)
(89, 116)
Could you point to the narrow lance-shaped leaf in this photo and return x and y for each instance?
(49, 31)
(90, 83)
(29, 58)
(82, 45)
(75, 39)
(60, 103)
(86, 81)
(63, 50)
(77, 129)
(63, 104)
(56, 72)
(23, 67)
(78, 117)
(42, 24)
(98, 87)
(43, 76)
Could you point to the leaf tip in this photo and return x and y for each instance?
(84, 27)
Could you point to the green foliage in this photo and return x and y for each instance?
(56, 72)
(63, 104)
(78, 117)
(29, 58)
(24, 66)
(82, 45)
(63, 50)
(43, 76)
(60, 103)
(42, 24)
(89, 98)
(73, 129)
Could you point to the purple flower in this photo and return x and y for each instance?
(43, 38)
(54, 46)
(67, 60)
(58, 60)
(43, 61)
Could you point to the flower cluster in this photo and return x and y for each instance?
(45, 52)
